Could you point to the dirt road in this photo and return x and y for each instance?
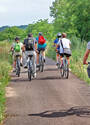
(47, 100)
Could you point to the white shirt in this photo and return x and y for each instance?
(66, 43)
(88, 45)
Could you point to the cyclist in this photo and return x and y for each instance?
(30, 45)
(57, 47)
(17, 48)
(86, 53)
(41, 46)
(64, 48)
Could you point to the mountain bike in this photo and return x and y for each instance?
(18, 65)
(64, 68)
(30, 66)
(88, 69)
(41, 61)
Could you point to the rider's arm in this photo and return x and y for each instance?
(86, 56)
(35, 45)
(86, 53)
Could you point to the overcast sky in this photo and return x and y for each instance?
(20, 12)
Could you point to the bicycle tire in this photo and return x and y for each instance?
(61, 72)
(66, 69)
(42, 64)
(29, 75)
(17, 68)
(29, 72)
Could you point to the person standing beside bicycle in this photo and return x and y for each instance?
(41, 46)
(30, 47)
(64, 44)
(16, 48)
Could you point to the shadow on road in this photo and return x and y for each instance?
(78, 111)
(53, 69)
(49, 78)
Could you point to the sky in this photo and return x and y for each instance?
(23, 12)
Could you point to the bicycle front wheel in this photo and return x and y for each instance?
(29, 75)
(42, 64)
(18, 68)
(29, 71)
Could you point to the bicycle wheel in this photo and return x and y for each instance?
(17, 68)
(66, 70)
(29, 71)
(61, 72)
(42, 64)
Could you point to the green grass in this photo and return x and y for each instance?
(4, 75)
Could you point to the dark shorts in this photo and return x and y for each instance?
(67, 55)
(64, 54)
(57, 52)
(41, 49)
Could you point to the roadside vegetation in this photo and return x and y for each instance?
(4, 75)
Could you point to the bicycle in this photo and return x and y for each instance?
(88, 69)
(41, 61)
(64, 68)
(18, 65)
(30, 66)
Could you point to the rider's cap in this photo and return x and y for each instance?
(30, 35)
(40, 33)
(17, 38)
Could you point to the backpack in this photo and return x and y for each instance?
(17, 47)
(29, 44)
(41, 40)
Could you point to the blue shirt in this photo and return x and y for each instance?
(55, 42)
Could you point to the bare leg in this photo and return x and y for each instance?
(61, 60)
(68, 60)
(43, 53)
(57, 57)
(37, 58)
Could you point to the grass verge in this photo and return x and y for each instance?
(5, 67)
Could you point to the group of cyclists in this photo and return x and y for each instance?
(30, 45)
(35, 45)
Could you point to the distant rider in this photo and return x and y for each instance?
(64, 44)
(30, 45)
(17, 48)
(41, 41)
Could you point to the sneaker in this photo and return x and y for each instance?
(34, 75)
(44, 60)
(57, 64)
(21, 64)
(14, 70)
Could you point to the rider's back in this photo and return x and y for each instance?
(66, 43)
